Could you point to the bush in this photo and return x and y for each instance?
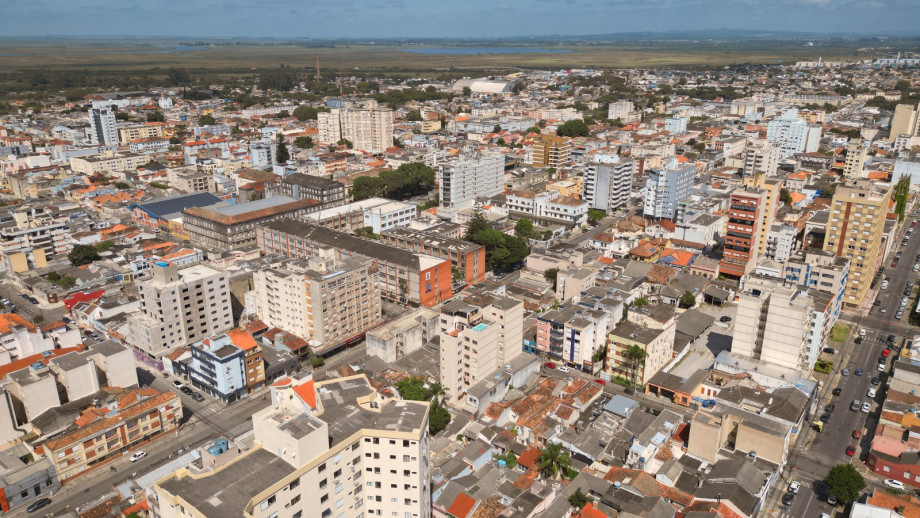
(823, 366)
(317, 362)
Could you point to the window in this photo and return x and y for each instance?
(323, 499)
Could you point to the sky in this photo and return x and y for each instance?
(441, 18)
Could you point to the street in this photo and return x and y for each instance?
(27, 310)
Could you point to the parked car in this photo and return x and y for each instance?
(858, 372)
(846, 372)
(851, 450)
(197, 397)
(794, 487)
(830, 350)
(788, 498)
(836, 391)
(870, 393)
(38, 504)
(138, 456)
(881, 367)
(725, 318)
(854, 406)
(830, 407)
(857, 434)
(562, 368)
(858, 340)
(178, 384)
(600, 382)
(832, 500)
(875, 380)
(549, 365)
(185, 390)
(894, 484)
(886, 353)
(866, 407)
(825, 417)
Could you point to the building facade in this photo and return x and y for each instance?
(666, 187)
(552, 151)
(743, 231)
(473, 174)
(226, 226)
(299, 186)
(608, 185)
(103, 125)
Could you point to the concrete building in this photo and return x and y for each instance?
(178, 307)
(552, 151)
(857, 153)
(608, 184)
(323, 300)
(576, 331)
(620, 110)
(140, 131)
(478, 336)
(299, 186)
(332, 448)
(227, 366)
(404, 277)
(782, 242)
(380, 214)
(473, 174)
(666, 187)
(23, 480)
(402, 336)
(657, 342)
(855, 230)
(103, 126)
(760, 156)
(772, 188)
(774, 324)
(676, 125)
(229, 226)
(547, 205)
(743, 231)
(788, 132)
(466, 257)
(905, 121)
(20, 339)
(108, 162)
(366, 125)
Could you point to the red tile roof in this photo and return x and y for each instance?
(306, 392)
(528, 459)
(462, 506)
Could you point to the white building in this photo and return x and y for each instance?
(620, 110)
(548, 204)
(774, 323)
(782, 242)
(19, 339)
(366, 125)
(788, 132)
(760, 155)
(666, 187)
(676, 125)
(608, 182)
(178, 307)
(103, 125)
(472, 174)
(402, 336)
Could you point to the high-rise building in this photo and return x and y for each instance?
(743, 231)
(334, 448)
(619, 110)
(857, 152)
(772, 186)
(102, 122)
(479, 335)
(666, 187)
(366, 125)
(322, 300)
(906, 121)
(473, 174)
(676, 125)
(178, 307)
(760, 155)
(552, 151)
(608, 183)
(788, 132)
(774, 323)
(857, 222)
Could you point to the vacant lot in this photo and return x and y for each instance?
(129, 54)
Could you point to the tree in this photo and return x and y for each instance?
(303, 142)
(398, 143)
(579, 499)
(413, 115)
(407, 181)
(784, 196)
(345, 142)
(845, 482)
(54, 276)
(497, 129)
(901, 190)
(534, 129)
(595, 215)
(283, 114)
(83, 254)
(641, 301)
(281, 151)
(635, 354)
(438, 418)
(524, 228)
(178, 76)
(304, 113)
(687, 300)
(367, 232)
(553, 461)
(156, 116)
(467, 91)
(573, 128)
(122, 185)
(551, 275)
(477, 224)
(206, 120)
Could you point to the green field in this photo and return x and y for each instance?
(130, 54)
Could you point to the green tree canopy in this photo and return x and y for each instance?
(303, 142)
(206, 120)
(595, 215)
(573, 128)
(305, 113)
(687, 300)
(524, 228)
(579, 500)
(553, 461)
(551, 275)
(784, 196)
(414, 115)
(281, 151)
(156, 116)
(845, 482)
(407, 181)
(635, 354)
(83, 254)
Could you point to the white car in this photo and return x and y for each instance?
(138, 456)
(870, 392)
(177, 384)
(562, 368)
(866, 407)
(862, 332)
(881, 367)
(794, 487)
(892, 483)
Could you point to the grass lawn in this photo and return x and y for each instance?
(840, 332)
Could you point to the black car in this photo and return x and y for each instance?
(876, 303)
(837, 391)
(858, 340)
(876, 380)
(825, 417)
(890, 338)
(725, 318)
(198, 397)
(788, 498)
(38, 504)
(830, 350)
(830, 408)
(187, 391)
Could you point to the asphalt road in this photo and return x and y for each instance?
(26, 309)
(816, 453)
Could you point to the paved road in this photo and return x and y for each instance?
(26, 309)
(816, 453)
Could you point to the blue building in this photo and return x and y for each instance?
(218, 368)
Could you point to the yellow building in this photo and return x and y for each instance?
(772, 188)
(551, 151)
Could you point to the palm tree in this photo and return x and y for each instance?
(634, 354)
(553, 461)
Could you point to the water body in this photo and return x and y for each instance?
(467, 51)
(117, 50)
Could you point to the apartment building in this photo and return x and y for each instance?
(551, 151)
(471, 175)
(574, 333)
(791, 134)
(20, 339)
(623, 110)
(323, 300)
(774, 323)
(666, 187)
(760, 156)
(404, 277)
(905, 121)
(380, 214)
(404, 335)
(190, 179)
(178, 307)
(299, 186)
(744, 230)
(676, 125)
(479, 335)
(772, 188)
(103, 126)
(35, 236)
(857, 153)
(140, 131)
(231, 226)
(855, 231)
(657, 341)
(782, 242)
(323, 449)
(102, 433)
(467, 257)
(366, 125)
(608, 183)
(548, 205)
(227, 366)
(107, 162)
